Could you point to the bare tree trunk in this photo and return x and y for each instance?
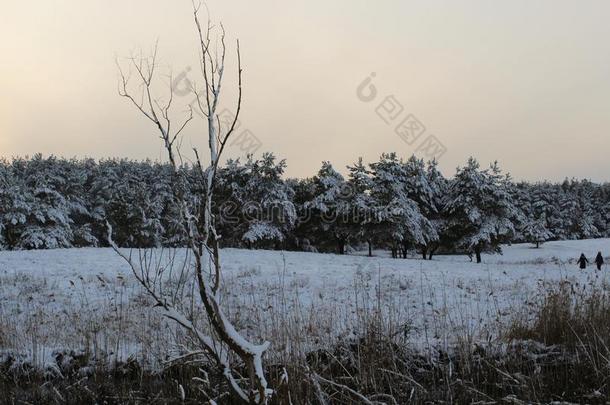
(202, 237)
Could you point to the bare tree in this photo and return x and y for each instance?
(220, 340)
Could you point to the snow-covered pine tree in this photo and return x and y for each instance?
(480, 210)
(15, 203)
(538, 227)
(361, 204)
(126, 196)
(271, 214)
(590, 218)
(5, 184)
(253, 204)
(304, 231)
(170, 215)
(399, 221)
(534, 203)
(439, 186)
(328, 211)
(77, 175)
(600, 205)
(230, 201)
(48, 223)
(535, 230)
(521, 196)
(604, 210)
(577, 215)
(419, 188)
(570, 212)
(552, 196)
(153, 199)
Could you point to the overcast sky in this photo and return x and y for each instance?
(523, 82)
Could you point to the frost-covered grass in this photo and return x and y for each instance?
(86, 299)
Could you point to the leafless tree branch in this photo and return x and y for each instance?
(199, 222)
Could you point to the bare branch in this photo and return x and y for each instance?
(149, 106)
(202, 237)
(343, 387)
(238, 110)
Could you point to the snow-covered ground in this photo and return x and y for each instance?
(87, 298)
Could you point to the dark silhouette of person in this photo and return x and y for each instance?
(599, 260)
(582, 262)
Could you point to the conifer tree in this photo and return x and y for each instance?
(480, 210)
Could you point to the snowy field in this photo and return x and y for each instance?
(87, 299)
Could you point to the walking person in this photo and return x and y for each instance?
(599, 260)
(582, 262)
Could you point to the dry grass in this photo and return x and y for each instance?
(570, 316)
(554, 350)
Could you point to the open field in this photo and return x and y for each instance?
(87, 299)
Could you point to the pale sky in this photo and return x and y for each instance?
(524, 82)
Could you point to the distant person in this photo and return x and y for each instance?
(582, 261)
(599, 260)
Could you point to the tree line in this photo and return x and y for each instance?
(394, 204)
